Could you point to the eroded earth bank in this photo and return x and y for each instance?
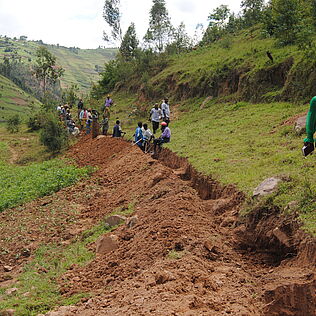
(183, 249)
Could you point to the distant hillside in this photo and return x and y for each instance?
(13, 100)
(82, 66)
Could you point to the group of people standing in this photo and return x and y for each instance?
(66, 117)
(160, 113)
(157, 116)
(88, 119)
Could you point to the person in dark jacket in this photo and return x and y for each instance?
(117, 131)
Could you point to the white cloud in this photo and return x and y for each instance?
(80, 22)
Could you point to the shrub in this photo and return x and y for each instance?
(35, 122)
(53, 134)
(13, 123)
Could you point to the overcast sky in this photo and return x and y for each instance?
(80, 23)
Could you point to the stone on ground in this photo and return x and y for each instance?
(115, 220)
(106, 244)
(132, 221)
(300, 125)
(266, 187)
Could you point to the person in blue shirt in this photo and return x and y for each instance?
(139, 138)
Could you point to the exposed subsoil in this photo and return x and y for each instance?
(188, 254)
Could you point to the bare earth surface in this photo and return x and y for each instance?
(188, 254)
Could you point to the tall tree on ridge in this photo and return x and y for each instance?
(129, 43)
(159, 32)
(112, 16)
(45, 68)
(181, 40)
(252, 11)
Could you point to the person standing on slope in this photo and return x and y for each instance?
(108, 102)
(310, 128)
(155, 116)
(139, 138)
(165, 110)
(80, 106)
(117, 131)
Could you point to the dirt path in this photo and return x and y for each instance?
(14, 155)
(188, 253)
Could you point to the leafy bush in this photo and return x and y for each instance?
(35, 122)
(13, 123)
(53, 134)
(21, 184)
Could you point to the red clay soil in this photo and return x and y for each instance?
(188, 253)
(179, 212)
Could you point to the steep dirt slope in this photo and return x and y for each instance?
(188, 253)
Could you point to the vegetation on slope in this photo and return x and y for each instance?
(13, 100)
(26, 183)
(82, 65)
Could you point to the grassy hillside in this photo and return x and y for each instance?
(235, 68)
(13, 100)
(81, 65)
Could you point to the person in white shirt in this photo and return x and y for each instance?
(147, 134)
(165, 108)
(155, 116)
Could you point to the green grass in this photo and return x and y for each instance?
(20, 184)
(125, 210)
(206, 66)
(24, 143)
(39, 278)
(175, 255)
(246, 143)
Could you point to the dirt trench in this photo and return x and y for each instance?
(188, 254)
(184, 214)
(275, 237)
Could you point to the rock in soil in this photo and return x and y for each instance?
(106, 244)
(11, 291)
(115, 220)
(266, 187)
(131, 221)
(7, 268)
(7, 312)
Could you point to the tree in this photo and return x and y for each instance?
(112, 16)
(219, 16)
(159, 32)
(181, 40)
(198, 34)
(286, 14)
(252, 11)
(45, 69)
(217, 23)
(53, 133)
(13, 123)
(70, 95)
(129, 43)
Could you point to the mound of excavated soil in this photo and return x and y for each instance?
(181, 257)
(187, 254)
